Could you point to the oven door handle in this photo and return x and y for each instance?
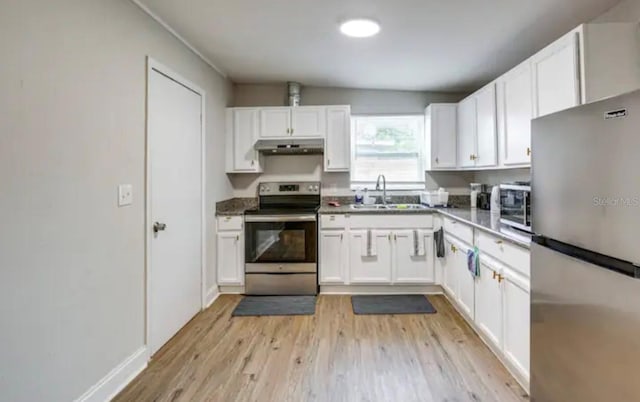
(281, 218)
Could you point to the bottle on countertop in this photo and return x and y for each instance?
(495, 200)
(359, 197)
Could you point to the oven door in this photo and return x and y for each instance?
(283, 243)
(515, 207)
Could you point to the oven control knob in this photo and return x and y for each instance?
(316, 188)
(310, 188)
(262, 189)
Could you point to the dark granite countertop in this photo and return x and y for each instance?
(235, 206)
(483, 220)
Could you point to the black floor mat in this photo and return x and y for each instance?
(391, 304)
(275, 305)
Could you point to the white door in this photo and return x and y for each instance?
(230, 266)
(337, 155)
(487, 134)
(517, 301)
(489, 302)
(333, 255)
(556, 76)
(308, 121)
(467, 132)
(410, 268)
(449, 269)
(245, 135)
(374, 269)
(175, 184)
(275, 122)
(515, 107)
(466, 282)
(442, 125)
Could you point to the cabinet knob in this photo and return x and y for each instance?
(495, 274)
(500, 278)
(253, 163)
(437, 160)
(328, 162)
(528, 151)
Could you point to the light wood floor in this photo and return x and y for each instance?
(332, 356)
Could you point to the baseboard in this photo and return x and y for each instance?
(212, 295)
(118, 378)
(380, 289)
(232, 290)
(515, 373)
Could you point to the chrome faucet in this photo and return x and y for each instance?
(384, 188)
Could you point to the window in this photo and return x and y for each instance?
(389, 145)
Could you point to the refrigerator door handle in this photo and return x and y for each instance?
(603, 261)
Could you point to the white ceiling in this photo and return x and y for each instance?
(440, 45)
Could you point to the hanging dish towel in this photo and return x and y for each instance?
(473, 261)
(369, 244)
(418, 249)
(439, 239)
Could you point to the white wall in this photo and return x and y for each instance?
(625, 11)
(362, 101)
(72, 127)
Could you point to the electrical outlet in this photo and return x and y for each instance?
(125, 195)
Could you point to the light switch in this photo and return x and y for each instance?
(125, 195)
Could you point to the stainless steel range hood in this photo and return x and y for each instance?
(290, 147)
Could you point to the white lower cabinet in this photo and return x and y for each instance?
(489, 301)
(333, 257)
(410, 267)
(372, 269)
(497, 302)
(516, 299)
(230, 258)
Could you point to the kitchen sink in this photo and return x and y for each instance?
(369, 207)
(377, 207)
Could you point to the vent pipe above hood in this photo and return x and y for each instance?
(294, 93)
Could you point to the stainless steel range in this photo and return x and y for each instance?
(281, 240)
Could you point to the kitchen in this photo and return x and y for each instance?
(295, 222)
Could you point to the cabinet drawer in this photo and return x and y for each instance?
(391, 221)
(459, 230)
(337, 221)
(230, 223)
(509, 254)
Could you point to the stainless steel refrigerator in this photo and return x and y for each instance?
(585, 255)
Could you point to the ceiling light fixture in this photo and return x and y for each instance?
(360, 28)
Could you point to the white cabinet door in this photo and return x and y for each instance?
(489, 302)
(337, 155)
(516, 321)
(410, 268)
(440, 127)
(465, 281)
(244, 134)
(450, 278)
(515, 111)
(467, 132)
(374, 269)
(486, 134)
(309, 121)
(556, 72)
(275, 122)
(230, 259)
(333, 257)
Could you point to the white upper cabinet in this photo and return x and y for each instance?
(467, 132)
(556, 75)
(477, 134)
(440, 131)
(337, 155)
(486, 142)
(242, 133)
(308, 121)
(300, 121)
(515, 111)
(275, 122)
(592, 62)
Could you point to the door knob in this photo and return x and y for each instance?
(159, 227)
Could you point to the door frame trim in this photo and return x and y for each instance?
(153, 64)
